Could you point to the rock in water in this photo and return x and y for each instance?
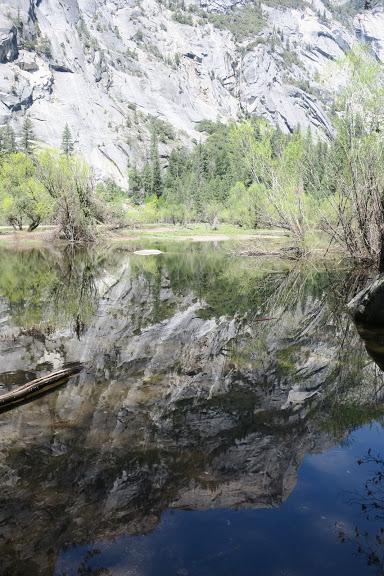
(148, 252)
(367, 307)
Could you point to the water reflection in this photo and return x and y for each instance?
(44, 290)
(368, 534)
(207, 380)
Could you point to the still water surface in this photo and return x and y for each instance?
(228, 419)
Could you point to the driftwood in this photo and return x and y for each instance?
(291, 253)
(38, 386)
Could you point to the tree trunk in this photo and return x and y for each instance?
(33, 225)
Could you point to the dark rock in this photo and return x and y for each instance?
(8, 45)
(193, 57)
(367, 307)
(60, 68)
(28, 66)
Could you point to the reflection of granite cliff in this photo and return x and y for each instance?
(177, 408)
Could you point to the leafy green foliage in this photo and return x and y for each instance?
(69, 182)
(23, 198)
(37, 186)
(246, 174)
(164, 130)
(347, 10)
(32, 283)
(355, 211)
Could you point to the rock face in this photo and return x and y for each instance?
(106, 67)
(8, 44)
(369, 28)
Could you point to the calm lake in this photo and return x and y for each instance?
(228, 420)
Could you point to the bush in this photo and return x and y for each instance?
(183, 18)
(242, 22)
(23, 198)
(241, 206)
(70, 183)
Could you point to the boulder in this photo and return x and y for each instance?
(367, 307)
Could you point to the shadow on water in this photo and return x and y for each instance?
(213, 384)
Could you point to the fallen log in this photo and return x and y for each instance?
(38, 387)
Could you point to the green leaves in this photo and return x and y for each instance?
(23, 198)
(50, 187)
(69, 182)
(355, 215)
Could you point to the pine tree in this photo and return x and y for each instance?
(8, 140)
(135, 184)
(147, 179)
(27, 136)
(67, 144)
(157, 184)
(2, 135)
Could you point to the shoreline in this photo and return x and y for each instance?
(272, 243)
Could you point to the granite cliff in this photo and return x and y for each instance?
(109, 67)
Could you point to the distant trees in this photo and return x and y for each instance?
(241, 206)
(23, 200)
(148, 181)
(251, 174)
(247, 173)
(277, 173)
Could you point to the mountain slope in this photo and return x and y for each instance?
(108, 67)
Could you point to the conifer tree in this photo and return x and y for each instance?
(157, 185)
(147, 179)
(2, 134)
(7, 140)
(27, 136)
(135, 183)
(67, 144)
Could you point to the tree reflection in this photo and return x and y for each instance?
(368, 536)
(45, 290)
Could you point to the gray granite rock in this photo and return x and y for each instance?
(106, 66)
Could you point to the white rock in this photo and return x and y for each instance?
(148, 252)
